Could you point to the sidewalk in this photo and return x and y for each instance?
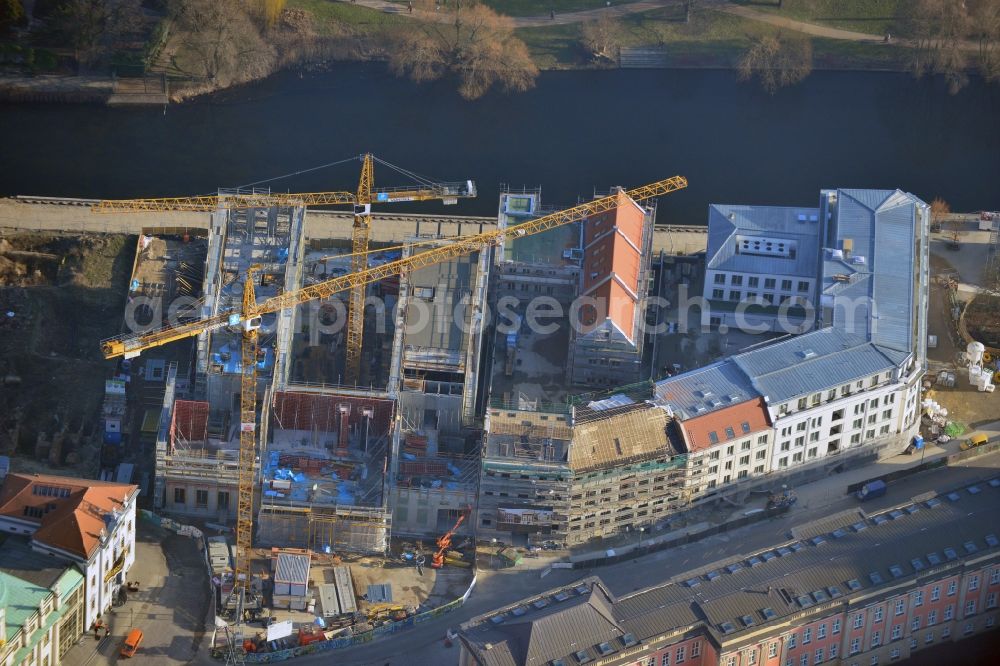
(170, 607)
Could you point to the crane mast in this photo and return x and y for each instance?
(359, 262)
(248, 318)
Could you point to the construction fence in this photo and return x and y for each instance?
(362, 638)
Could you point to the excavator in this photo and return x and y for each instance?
(444, 541)
(247, 319)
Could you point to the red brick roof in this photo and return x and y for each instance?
(69, 512)
(612, 260)
(698, 430)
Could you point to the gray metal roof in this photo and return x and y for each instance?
(292, 569)
(726, 222)
(788, 578)
(882, 226)
(811, 362)
(533, 636)
(704, 390)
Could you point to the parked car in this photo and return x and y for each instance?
(131, 643)
(871, 490)
(973, 442)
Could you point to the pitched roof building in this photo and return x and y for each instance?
(88, 523)
(856, 587)
(68, 514)
(608, 340)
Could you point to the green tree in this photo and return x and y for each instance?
(777, 60)
(476, 45)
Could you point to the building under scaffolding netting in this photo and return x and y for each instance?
(323, 472)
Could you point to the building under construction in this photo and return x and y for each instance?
(335, 462)
(598, 470)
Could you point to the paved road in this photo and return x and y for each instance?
(425, 645)
(563, 18)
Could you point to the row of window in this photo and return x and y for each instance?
(831, 395)
(201, 498)
(753, 282)
(735, 295)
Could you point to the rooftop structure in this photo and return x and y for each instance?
(606, 346)
(724, 424)
(812, 362)
(763, 240)
(705, 390)
(854, 568)
(66, 514)
(612, 265)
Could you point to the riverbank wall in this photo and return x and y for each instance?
(65, 215)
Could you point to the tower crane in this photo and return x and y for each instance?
(362, 199)
(248, 320)
(444, 541)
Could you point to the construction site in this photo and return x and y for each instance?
(329, 397)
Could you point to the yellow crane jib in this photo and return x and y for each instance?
(209, 203)
(131, 345)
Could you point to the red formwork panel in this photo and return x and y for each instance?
(189, 422)
(322, 412)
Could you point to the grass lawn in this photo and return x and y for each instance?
(556, 47)
(327, 14)
(874, 17)
(714, 39)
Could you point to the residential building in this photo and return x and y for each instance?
(33, 618)
(608, 334)
(856, 590)
(41, 605)
(90, 524)
(847, 390)
(764, 257)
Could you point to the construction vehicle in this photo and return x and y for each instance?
(248, 320)
(386, 611)
(366, 195)
(444, 541)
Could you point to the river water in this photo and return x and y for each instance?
(574, 132)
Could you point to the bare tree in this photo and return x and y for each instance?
(938, 29)
(223, 41)
(939, 210)
(777, 60)
(985, 29)
(11, 14)
(602, 38)
(476, 45)
(94, 28)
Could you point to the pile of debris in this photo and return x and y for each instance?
(935, 423)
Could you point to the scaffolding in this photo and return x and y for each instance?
(324, 528)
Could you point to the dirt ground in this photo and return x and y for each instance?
(59, 296)
(964, 403)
